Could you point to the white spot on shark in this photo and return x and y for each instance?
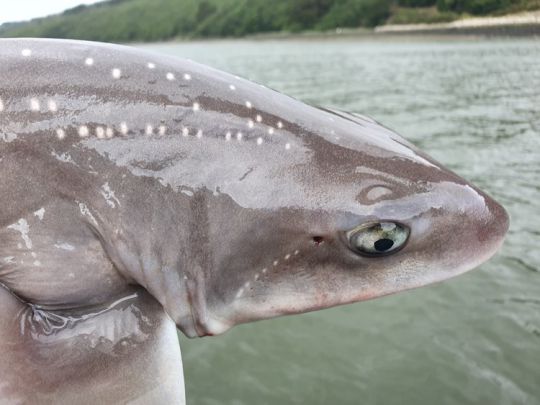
(187, 76)
(109, 196)
(187, 192)
(123, 128)
(1, 105)
(248, 104)
(185, 131)
(232, 87)
(109, 132)
(259, 141)
(228, 136)
(239, 136)
(149, 129)
(151, 65)
(100, 132)
(40, 213)
(22, 227)
(34, 104)
(116, 73)
(287, 146)
(162, 129)
(83, 131)
(52, 106)
(26, 52)
(89, 61)
(258, 118)
(64, 246)
(271, 131)
(280, 124)
(196, 106)
(60, 133)
(239, 293)
(37, 263)
(287, 256)
(199, 133)
(251, 124)
(169, 76)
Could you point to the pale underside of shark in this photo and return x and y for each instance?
(141, 193)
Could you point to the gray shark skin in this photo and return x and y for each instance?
(140, 193)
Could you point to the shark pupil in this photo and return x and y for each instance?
(377, 239)
(382, 245)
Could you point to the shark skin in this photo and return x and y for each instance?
(141, 193)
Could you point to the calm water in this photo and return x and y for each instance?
(473, 105)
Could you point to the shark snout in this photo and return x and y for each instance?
(492, 229)
(480, 234)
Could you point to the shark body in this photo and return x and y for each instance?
(141, 193)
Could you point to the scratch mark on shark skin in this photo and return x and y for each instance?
(246, 174)
(85, 211)
(23, 228)
(109, 196)
(40, 213)
(64, 246)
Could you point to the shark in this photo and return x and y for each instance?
(141, 194)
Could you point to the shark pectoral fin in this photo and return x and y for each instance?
(124, 351)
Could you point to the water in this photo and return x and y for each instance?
(473, 105)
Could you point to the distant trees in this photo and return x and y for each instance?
(356, 13)
(156, 20)
(472, 6)
(417, 3)
(205, 9)
(305, 14)
(460, 6)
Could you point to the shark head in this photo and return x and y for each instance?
(169, 186)
(251, 204)
(359, 214)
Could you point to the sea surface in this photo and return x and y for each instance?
(474, 105)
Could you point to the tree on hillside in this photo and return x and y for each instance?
(417, 3)
(304, 14)
(472, 6)
(356, 13)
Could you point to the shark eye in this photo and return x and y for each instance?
(378, 239)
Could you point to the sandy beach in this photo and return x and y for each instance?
(527, 23)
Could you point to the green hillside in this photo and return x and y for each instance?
(155, 20)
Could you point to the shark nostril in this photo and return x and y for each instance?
(318, 240)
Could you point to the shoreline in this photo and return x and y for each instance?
(525, 24)
(520, 24)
